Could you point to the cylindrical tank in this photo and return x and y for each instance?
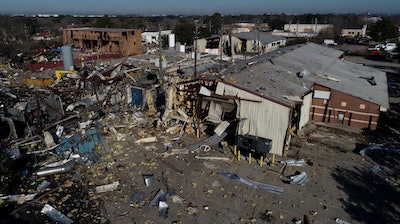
(68, 57)
(171, 40)
(182, 48)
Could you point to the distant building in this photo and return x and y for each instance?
(154, 37)
(240, 43)
(306, 28)
(48, 15)
(354, 31)
(42, 36)
(372, 19)
(259, 42)
(245, 27)
(302, 30)
(105, 40)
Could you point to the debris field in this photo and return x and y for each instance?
(109, 145)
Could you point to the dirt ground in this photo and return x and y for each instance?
(340, 182)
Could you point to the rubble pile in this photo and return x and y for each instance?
(132, 142)
(62, 130)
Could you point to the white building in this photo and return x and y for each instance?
(354, 31)
(306, 28)
(153, 37)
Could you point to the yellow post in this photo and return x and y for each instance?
(261, 161)
(238, 155)
(249, 157)
(273, 159)
(234, 150)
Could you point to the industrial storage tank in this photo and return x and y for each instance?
(171, 40)
(182, 48)
(68, 57)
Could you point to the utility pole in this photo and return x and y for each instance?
(195, 46)
(161, 76)
(221, 33)
(160, 47)
(258, 37)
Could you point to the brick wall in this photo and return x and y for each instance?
(126, 42)
(344, 109)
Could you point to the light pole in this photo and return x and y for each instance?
(196, 22)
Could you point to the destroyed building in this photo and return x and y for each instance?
(259, 42)
(153, 103)
(238, 44)
(105, 40)
(278, 93)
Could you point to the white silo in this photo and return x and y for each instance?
(171, 40)
(67, 57)
(182, 48)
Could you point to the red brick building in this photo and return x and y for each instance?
(343, 92)
(333, 106)
(105, 40)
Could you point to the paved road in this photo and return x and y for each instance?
(385, 66)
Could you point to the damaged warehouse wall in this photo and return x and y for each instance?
(125, 120)
(124, 41)
(257, 110)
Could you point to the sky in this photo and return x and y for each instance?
(196, 7)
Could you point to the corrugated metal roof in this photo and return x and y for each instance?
(264, 78)
(274, 75)
(261, 36)
(328, 70)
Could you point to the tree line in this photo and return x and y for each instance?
(15, 32)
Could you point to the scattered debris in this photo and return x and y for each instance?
(376, 169)
(65, 166)
(55, 215)
(293, 162)
(378, 147)
(146, 140)
(340, 221)
(163, 208)
(212, 158)
(219, 130)
(179, 171)
(136, 200)
(148, 179)
(270, 188)
(298, 179)
(107, 187)
(160, 194)
(63, 123)
(177, 199)
(191, 209)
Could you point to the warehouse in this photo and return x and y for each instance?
(280, 92)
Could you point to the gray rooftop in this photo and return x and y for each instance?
(274, 75)
(262, 36)
(328, 70)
